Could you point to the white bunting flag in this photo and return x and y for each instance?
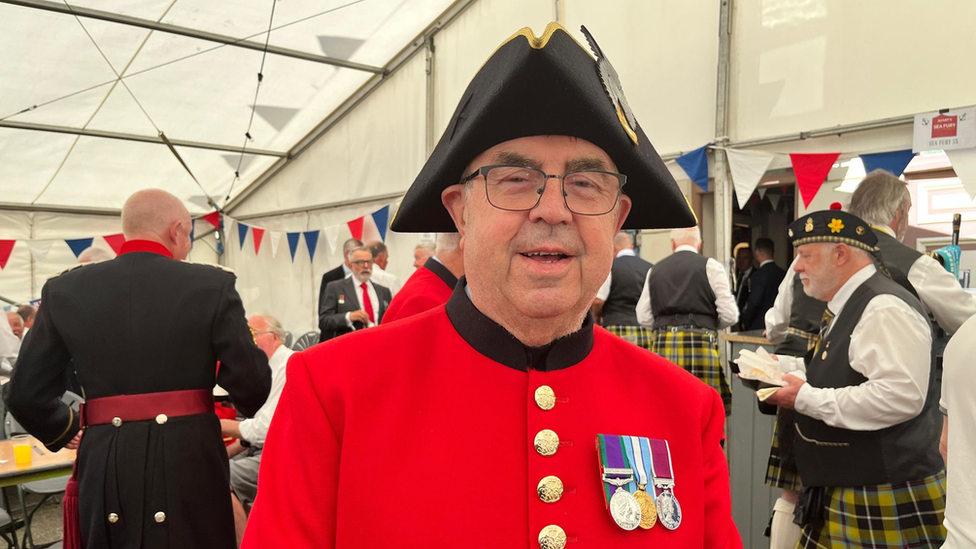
(774, 200)
(332, 237)
(964, 164)
(39, 249)
(275, 240)
(747, 169)
(762, 192)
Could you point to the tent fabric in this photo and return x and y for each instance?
(191, 89)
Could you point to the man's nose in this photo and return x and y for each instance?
(552, 204)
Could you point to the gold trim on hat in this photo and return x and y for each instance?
(837, 239)
(626, 125)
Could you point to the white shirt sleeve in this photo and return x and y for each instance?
(941, 293)
(728, 312)
(9, 344)
(254, 430)
(958, 385)
(777, 318)
(604, 292)
(645, 317)
(890, 346)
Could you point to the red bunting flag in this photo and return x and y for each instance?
(213, 218)
(115, 241)
(811, 171)
(356, 228)
(6, 247)
(257, 234)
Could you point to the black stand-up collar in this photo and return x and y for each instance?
(441, 271)
(495, 342)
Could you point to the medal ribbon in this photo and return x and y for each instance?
(661, 461)
(642, 459)
(612, 456)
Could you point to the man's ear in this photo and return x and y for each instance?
(453, 199)
(623, 211)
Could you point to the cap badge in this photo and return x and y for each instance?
(809, 225)
(790, 231)
(611, 84)
(859, 230)
(836, 225)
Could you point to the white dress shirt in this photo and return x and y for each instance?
(939, 291)
(385, 279)
(604, 292)
(958, 386)
(728, 312)
(778, 316)
(373, 300)
(890, 346)
(255, 429)
(9, 346)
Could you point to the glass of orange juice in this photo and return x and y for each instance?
(22, 449)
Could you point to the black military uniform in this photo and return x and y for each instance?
(140, 324)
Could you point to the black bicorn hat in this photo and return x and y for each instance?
(548, 85)
(833, 226)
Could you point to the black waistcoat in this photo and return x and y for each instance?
(805, 315)
(627, 278)
(830, 456)
(681, 294)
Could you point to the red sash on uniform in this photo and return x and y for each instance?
(100, 411)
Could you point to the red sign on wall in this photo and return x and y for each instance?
(944, 126)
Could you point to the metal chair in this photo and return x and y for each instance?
(47, 488)
(306, 341)
(7, 526)
(289, 339)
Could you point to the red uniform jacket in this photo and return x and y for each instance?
(434, 447)
(428, 287)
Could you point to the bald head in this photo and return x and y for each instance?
(156, 215)
(622, 241)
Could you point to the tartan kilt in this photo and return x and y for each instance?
(907, 515)
(696, 350)
(781, 469)
(637, 335)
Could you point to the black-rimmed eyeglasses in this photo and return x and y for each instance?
(520, 188)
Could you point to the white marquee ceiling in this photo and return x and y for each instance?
(198, 92)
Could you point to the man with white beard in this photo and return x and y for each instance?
(866, 430)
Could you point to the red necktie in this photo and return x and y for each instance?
(367, 304)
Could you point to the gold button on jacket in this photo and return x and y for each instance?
(117, 421)
(161, 419)
(552, 537)
(546, 442)
(545, 397)
(550, 489)
(159, 516)
(113, 517)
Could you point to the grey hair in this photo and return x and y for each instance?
(349, 245)
(428, 247)
(377, 248)
(878, 198)
(691, 235)
(447, 242)
(359, 249)
(92, 254)
(275, 326)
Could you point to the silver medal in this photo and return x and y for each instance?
(668, 510)
(625, 509)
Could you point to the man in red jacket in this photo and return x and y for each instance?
(524, 426)
(432, 284)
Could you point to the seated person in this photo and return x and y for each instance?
(270, 337)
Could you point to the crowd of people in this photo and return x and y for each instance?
(523, 424)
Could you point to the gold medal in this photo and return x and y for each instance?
(648, 508)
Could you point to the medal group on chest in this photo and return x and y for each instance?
(638, 482)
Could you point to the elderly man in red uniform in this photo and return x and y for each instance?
(524, 426)
(432, 284)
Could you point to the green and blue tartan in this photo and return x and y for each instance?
(638, 335)
(696, 350)
(907, 515)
